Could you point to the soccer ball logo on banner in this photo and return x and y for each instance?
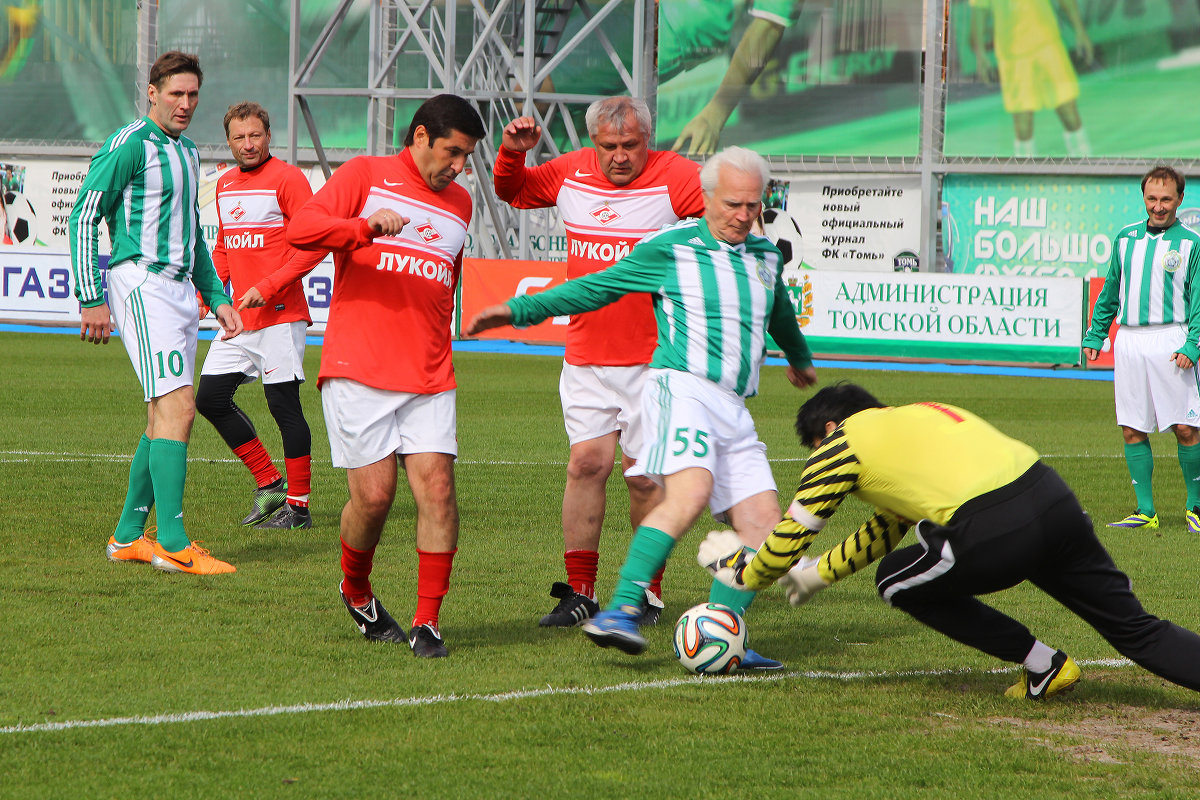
(22, 220)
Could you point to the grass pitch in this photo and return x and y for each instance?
(120, 681)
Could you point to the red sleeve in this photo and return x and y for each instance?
(527, 187)
(293, 193)
(687, 198)
(330, 220)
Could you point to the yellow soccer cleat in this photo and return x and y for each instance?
(1061, 677)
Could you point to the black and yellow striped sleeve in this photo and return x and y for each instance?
(830, 474)
(877, 537)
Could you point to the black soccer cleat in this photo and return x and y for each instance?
(426, 642)
(572, 609)
(286, 518)
(653, 609)
(267, 501)
(373, 621)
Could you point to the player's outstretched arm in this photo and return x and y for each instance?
(491, 317)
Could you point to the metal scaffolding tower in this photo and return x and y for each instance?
(499, 54)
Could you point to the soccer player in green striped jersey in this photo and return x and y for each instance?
(716, 291)
(1153, 291)
(143, 184)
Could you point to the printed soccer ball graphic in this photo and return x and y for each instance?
(710, 639)
(22, 221)
(781, 228)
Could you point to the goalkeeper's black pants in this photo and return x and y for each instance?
(1032, 529)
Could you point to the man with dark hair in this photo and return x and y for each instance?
(255, 202)
(144, 183)
(1153, 290)
(609, 196)
(386, 380)
(989, 515)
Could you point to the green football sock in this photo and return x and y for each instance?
(139, 497)
(168, 470)
(1189, 462)
(1140, 461)
(647, 553)
(737, 599)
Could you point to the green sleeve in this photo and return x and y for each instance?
(1191, 347)
(639, 271)
(111, 170)
(1107, 303)
(785, 330)
(204, 274)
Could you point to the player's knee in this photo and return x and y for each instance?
(589, 465)
(643, 487)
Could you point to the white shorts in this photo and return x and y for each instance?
(275, 354)
(159, 322)
(691, 422)
(599, 400)
(366, 424)
(1151, 392)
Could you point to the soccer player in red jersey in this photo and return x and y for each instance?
(256, 201)
(397, 226)
(609, 196)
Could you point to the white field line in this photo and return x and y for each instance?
(28, 456)
(505, 697)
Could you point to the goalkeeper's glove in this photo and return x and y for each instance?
(802, 581)
(723, 554)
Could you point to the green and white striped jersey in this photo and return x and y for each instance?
(145, 185)
(713, 302)
(1153, 279)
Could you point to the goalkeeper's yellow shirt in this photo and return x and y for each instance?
(922, 461)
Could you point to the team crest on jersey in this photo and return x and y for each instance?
(766, 275)
(605, 215)
(1171, 260)
(238, 212)
(428, 233)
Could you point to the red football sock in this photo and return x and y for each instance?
(581, 571)
(258, 461)
(356, 566)
(656, 584)
(299, 476)
(433, 581)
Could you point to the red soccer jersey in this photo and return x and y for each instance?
(603, 223)
(255, 207)
(393, 296)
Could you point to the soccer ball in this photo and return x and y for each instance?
(22, 221)
(781, 228)
(710, 639)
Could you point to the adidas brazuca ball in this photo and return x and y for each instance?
(710, 639)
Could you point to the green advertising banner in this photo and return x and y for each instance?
(941, 317)
(1076, 78)
(790, 77)
(1037, 225)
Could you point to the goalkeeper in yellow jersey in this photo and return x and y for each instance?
(1032, 63)
(988, 515)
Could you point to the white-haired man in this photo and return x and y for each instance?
(717, 291)
(609, 196)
